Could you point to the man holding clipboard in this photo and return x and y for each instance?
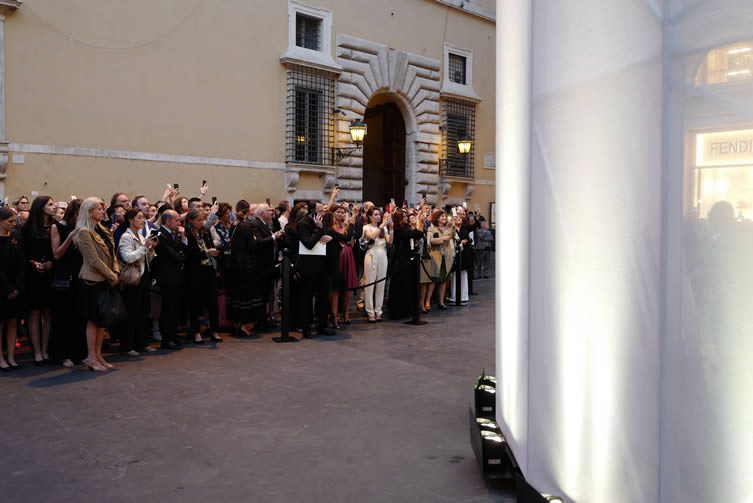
(311, 265)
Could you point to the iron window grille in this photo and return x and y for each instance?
(310, 127)
(457, 69)
(458, 121)
(308, 32)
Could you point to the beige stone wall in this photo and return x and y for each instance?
(189, 77)
(61, 176)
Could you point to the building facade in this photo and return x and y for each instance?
(255, 97)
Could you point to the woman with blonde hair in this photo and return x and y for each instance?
(99, 272)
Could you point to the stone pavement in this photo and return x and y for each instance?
(377, 413)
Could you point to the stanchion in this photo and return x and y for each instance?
(417, 307)
(285, 322)
(458, 272)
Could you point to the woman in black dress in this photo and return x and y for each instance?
(403, 299)
(290, 242)
(38, 253)
(68, 343)
(201, 276)
(246, 300)
(12, 284)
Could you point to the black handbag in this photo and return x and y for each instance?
(365, 243)
(111, 308)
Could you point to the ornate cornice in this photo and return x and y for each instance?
(8, 7)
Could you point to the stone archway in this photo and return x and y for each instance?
(412, 83)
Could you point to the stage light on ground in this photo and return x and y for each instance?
(552, 499)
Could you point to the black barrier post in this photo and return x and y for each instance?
(458, 272)
(417, 307)
(285, 325)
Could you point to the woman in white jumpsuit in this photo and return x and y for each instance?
(375, 264)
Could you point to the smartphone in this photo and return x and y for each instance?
(214, 199)
(337, 187)
(203, 183)
(113, 218)
(154, 233)
(465, 205)
(176, 186)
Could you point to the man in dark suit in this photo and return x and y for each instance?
(168, 268)
(265, 250)
(312, 268)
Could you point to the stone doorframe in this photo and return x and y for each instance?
(412, 82)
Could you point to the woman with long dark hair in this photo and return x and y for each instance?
(39, 264)
(12, 285)
(68, 344)
(136, 252)
(346, 277)
(379, 231)
(99, 271)
(201, 275)
(408, 238)
(291, 244)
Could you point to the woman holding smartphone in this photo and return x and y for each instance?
(136, 252)
(375, 262)
(38, 251)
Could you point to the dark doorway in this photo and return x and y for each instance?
(384, 155)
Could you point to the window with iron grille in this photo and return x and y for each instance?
(457, 69)
(459, 121)
(308, 32)
(310, 131)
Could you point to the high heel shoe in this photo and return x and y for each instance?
(94, 365)
(442, 307)
(216, 338)
(197, 339)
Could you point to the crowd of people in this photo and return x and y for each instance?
(72, 272)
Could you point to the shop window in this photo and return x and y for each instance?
(729, 63)
(310, 129)
(458, 122)
(724, 171)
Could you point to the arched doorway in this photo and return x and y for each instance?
(384, 155)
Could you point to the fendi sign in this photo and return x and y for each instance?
(724, 149)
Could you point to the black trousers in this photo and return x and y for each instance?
(138, 304)
(202, 292)
(314, 286)
(172, 299)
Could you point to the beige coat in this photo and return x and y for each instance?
(99, 264)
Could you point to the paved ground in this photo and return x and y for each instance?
(378, 413)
